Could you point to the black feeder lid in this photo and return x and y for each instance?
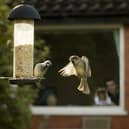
(24, 11)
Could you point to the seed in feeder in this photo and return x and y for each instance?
(23, 59)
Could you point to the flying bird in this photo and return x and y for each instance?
(78, 66)
(40, 69)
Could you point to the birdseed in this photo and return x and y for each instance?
(23, 59)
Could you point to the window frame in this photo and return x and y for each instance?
(88, 110)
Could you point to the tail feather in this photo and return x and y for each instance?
(84, 87)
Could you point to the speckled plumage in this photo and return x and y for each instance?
(40, 69)
(78, 66)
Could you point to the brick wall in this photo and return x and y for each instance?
(71, 122)
(78, 122)
(57, 122)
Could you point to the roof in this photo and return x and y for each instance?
(99, 9)
(53, 8)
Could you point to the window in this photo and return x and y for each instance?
(104, 47)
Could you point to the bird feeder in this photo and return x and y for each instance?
(23, 16)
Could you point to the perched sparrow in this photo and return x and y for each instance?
(78, 66)
(40, 69)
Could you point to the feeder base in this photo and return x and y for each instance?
(22, 81)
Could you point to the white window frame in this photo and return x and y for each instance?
(88, 110)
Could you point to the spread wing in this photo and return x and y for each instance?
(68, 70)
(87, 66)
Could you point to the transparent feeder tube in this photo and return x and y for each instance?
(23, 49)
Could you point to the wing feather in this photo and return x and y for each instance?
(87, 67)
(68, 70)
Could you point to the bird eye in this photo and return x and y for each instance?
(48, 63)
